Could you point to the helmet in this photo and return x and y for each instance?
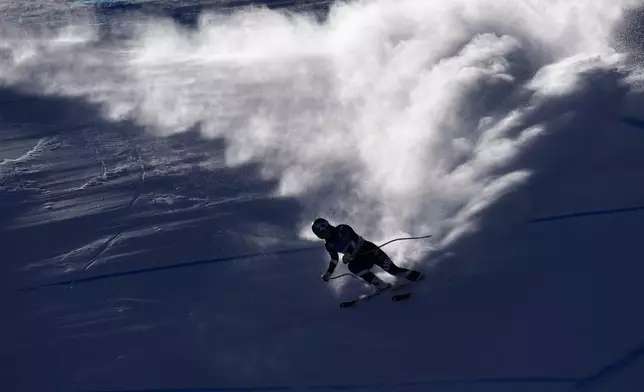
(321, 227)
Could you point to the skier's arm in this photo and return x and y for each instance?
(334, 261)
(332, 264)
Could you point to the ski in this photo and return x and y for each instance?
(347, 304)
(362, 298)
(366, 297)
(400, 297)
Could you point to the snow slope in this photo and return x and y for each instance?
(158, 177)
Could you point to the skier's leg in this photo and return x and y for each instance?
(385, 262)
(361, 268)
(373, 280)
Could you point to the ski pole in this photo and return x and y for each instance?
(343, 275)
(404, 239)
(394, 240)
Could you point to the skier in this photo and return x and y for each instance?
(360, 255)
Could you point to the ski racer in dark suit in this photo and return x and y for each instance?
(360, 255)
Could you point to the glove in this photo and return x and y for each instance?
(346, 258)
(326, 276)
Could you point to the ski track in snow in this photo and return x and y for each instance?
(37, 149)
(104, 249)
(141, 185)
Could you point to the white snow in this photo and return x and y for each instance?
(156, 192)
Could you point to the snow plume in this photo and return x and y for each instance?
(401, 117)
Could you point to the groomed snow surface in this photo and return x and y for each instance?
(161, 163)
